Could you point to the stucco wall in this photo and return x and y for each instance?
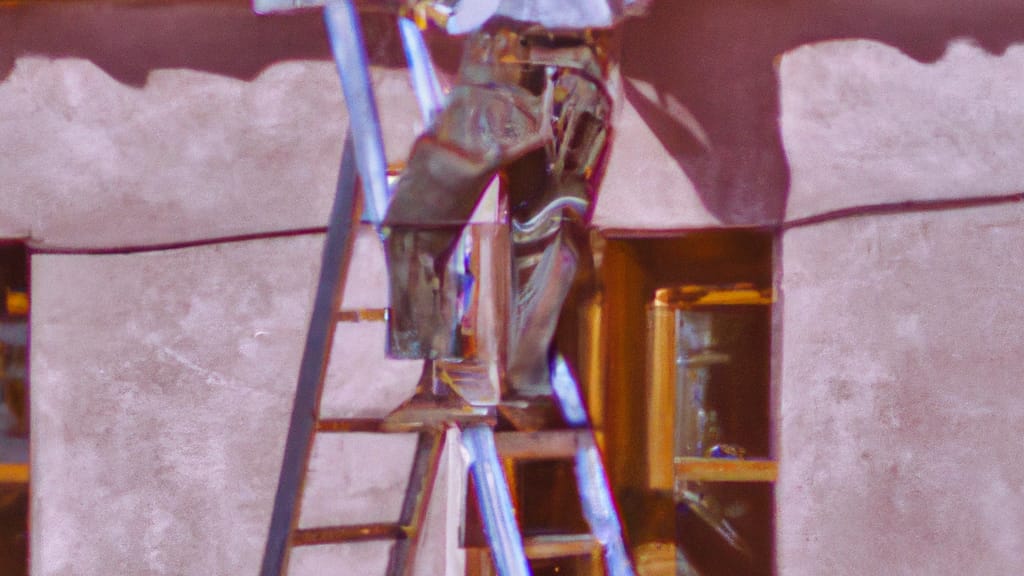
(162, 388)
(901, 410)
(162, 380)
(900, 406)
(864, 124)
(176, 122)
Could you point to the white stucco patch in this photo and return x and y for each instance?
(156, 440)
(644, 187)
(91, 162)
(900, 415)
(863, 123)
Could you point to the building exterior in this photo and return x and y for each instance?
(170, 167)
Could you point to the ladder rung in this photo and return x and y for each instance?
(362, 315)
(373, 425)
(350, 425)
(559, 546)
(340, 534)
(548, 444)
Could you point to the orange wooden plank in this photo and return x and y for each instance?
(14, 473)
(726, 470)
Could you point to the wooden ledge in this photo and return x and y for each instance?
(726, 470)
(14, 473)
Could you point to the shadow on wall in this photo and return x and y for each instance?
(714, 62)
(701, 73)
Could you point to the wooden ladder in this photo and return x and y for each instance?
(478, 438)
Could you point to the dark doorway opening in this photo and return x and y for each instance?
(683, 396)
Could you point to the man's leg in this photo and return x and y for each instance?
(435, 198)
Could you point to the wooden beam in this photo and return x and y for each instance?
(341, 534)
(363, 315)
(350, 425)
(559, 546)
(547, 445)
(14, 473)
(726, 470)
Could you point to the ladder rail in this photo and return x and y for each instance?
(595, 494)
(425, 83)
(416, 501)
(496, 510)
(346, 38)
(299, 442)
(362, 160)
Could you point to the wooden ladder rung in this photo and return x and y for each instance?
(341, 534)
(350, 425)
(376, 426)
(362, 315)
(559, 545)
(548, 444)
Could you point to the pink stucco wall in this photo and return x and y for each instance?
(162, 387)
(901, 409)
(162, 380)
(899, 422)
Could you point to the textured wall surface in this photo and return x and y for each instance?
(190, 154)
(901, 403)
(863, 123)
(901, 411)
(161, 393)
(162, 387)
(643, 187)
(188, 134)
(162, 381)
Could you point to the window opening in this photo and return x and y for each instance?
(682, 394)
(674, 354)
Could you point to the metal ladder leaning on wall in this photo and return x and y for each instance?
(363, 156)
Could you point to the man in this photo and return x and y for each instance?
(531, 101)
